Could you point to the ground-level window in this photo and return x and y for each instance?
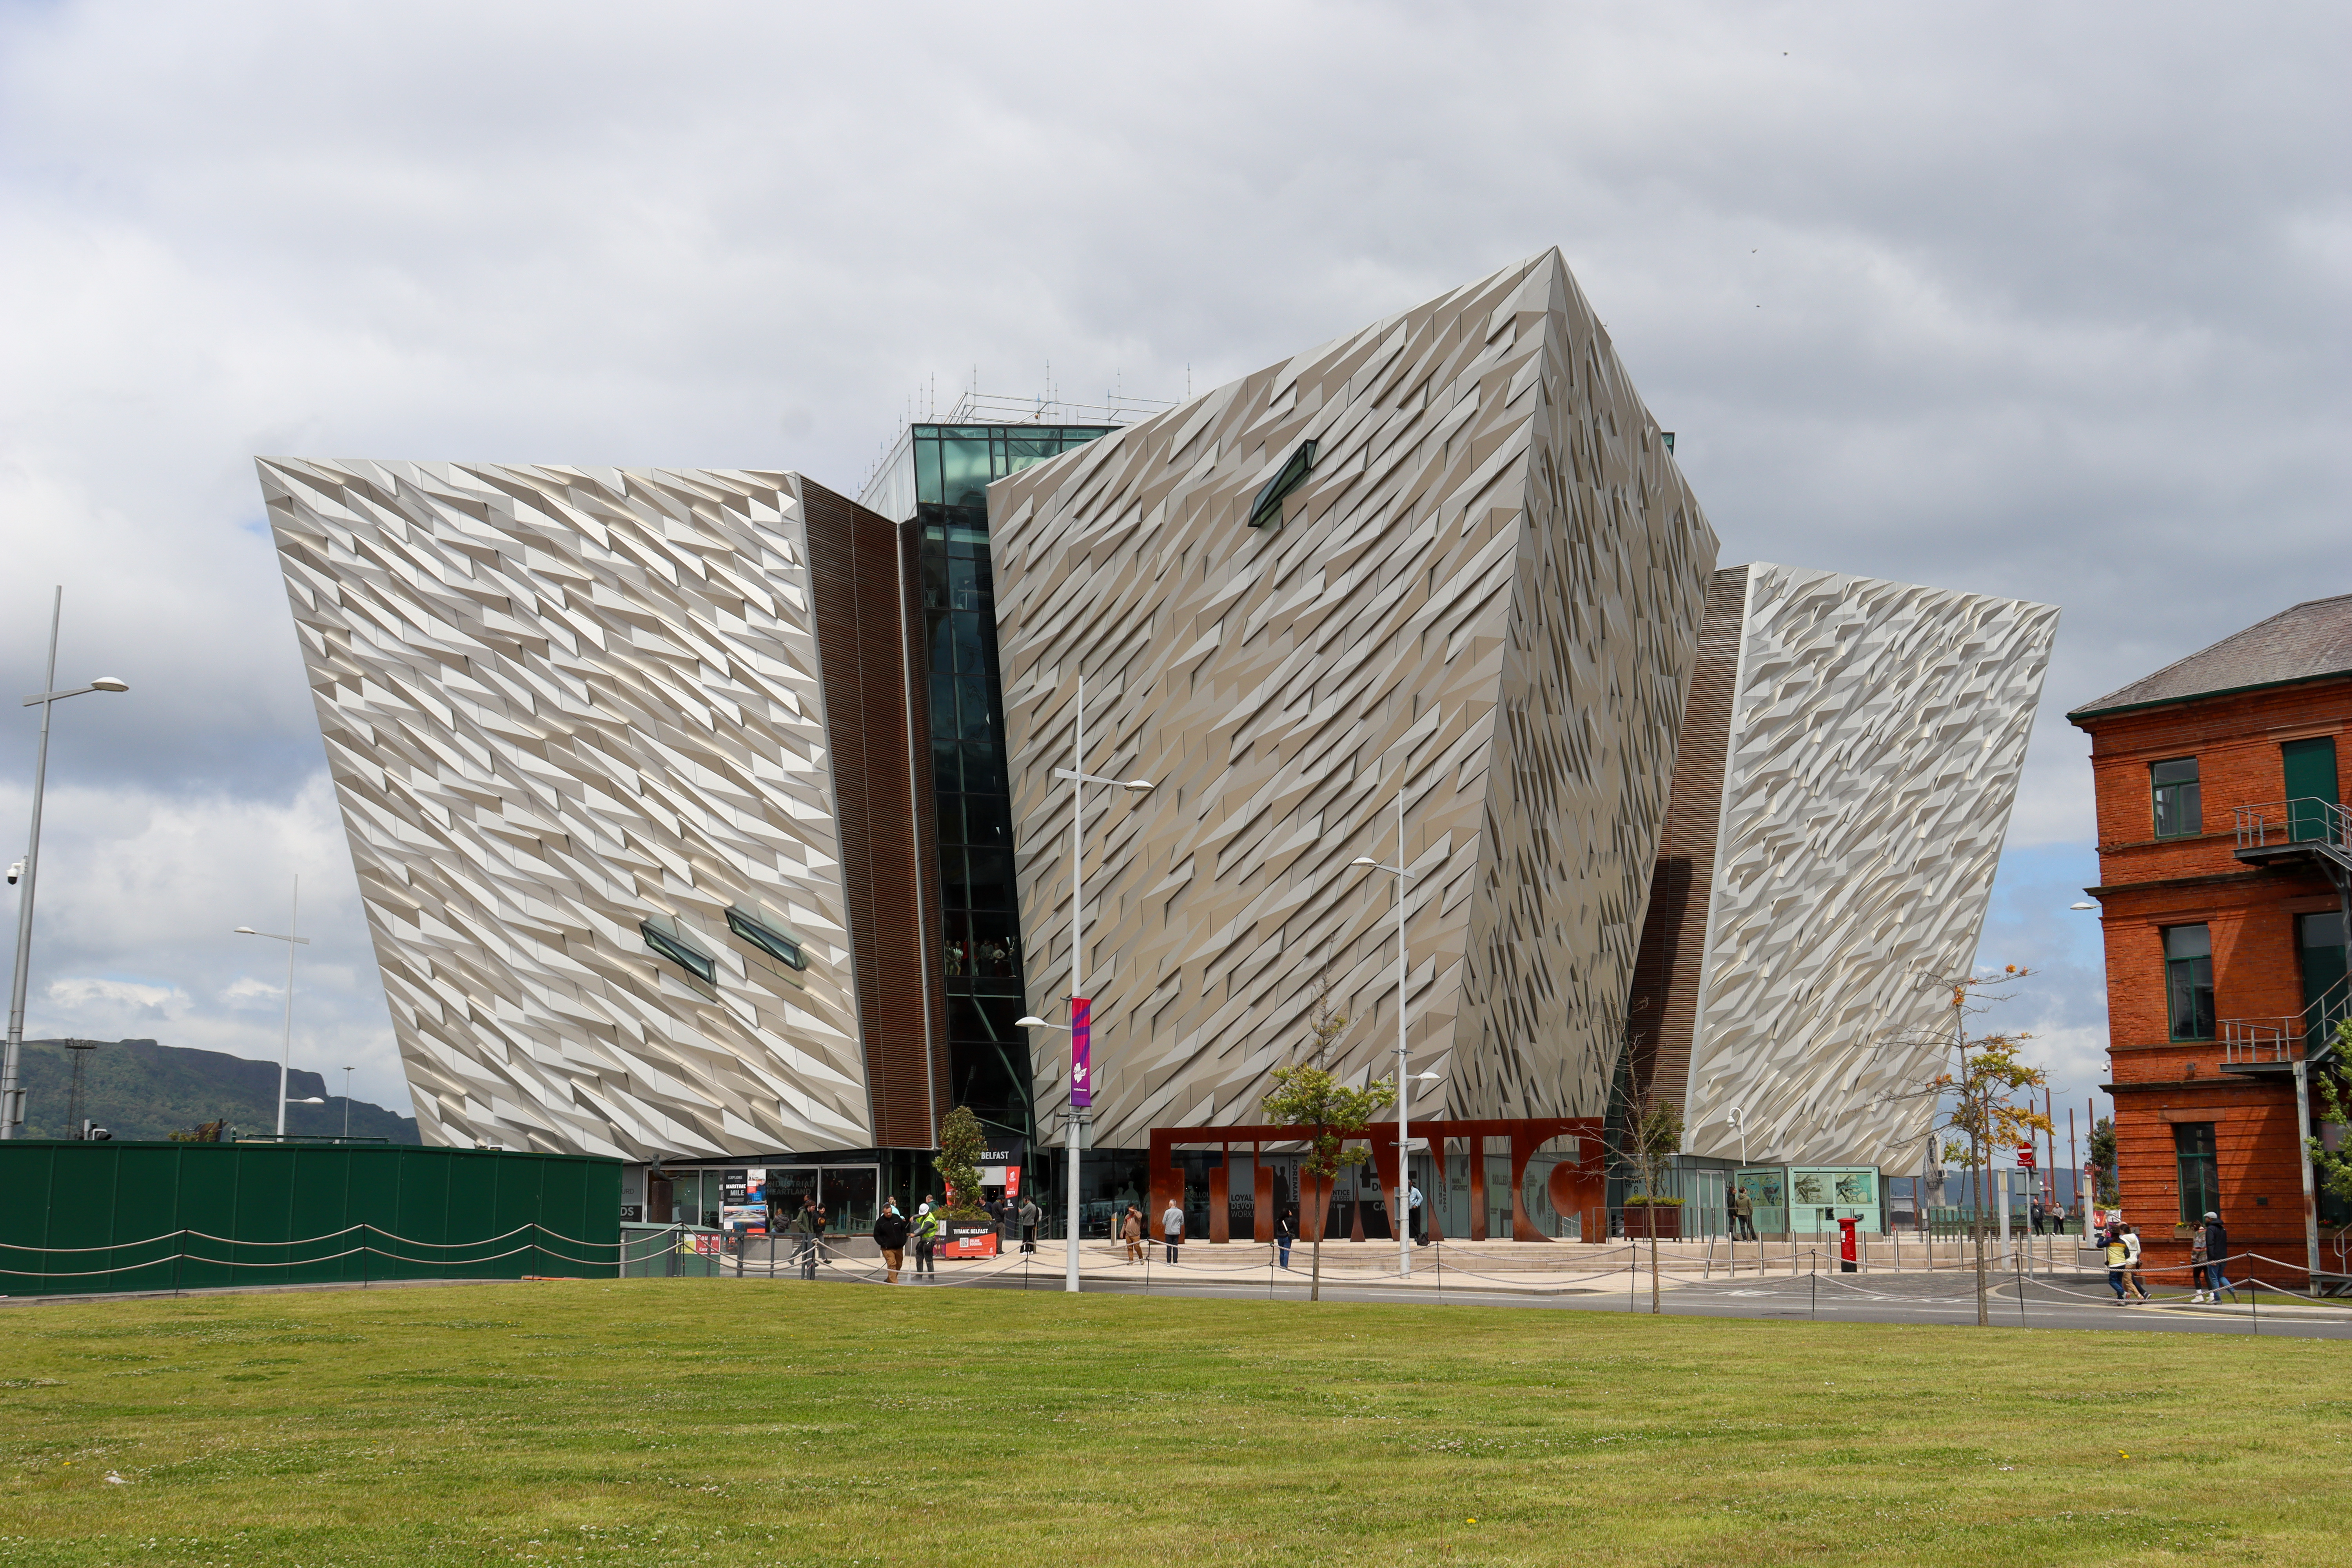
(2201, 1178)
(2189, 981)
(2179, 809)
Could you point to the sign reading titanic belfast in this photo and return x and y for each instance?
(639, 768)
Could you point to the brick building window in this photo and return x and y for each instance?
(2179, 808)
(2189, 981)
(2201, 1172)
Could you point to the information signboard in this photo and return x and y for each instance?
(1821, 1196)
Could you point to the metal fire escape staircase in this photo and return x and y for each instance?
(2320, 832)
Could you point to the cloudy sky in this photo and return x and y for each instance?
(2044, 301)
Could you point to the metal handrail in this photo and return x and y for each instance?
(2276, 822)
(2281, 1036)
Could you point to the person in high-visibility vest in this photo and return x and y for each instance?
(926, 1236)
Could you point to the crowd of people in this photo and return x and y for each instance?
(2209, 1261)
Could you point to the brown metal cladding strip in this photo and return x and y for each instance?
(1664, 1002)
(853, 557)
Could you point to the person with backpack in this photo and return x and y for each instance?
(2216, 1259)
(890, 1237)
(1030, 1215)
(2132, 1275)
(2117, 1256)
(927, 1237)
(1286, 1231)
(807, 1226)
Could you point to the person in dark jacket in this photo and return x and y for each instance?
(2217, 1258)
(890, 1235)
(807, 1226)
(1286, 1231)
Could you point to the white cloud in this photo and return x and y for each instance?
(161, 1003)
(2040, 302)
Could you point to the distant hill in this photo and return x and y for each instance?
(139, 1090)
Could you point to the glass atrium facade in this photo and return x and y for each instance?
(938, 477)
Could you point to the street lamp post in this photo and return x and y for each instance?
(286, 1054)
(12, 1092)
(1081, 1024)
(1399, 1216)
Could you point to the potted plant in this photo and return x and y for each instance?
(966, 1230)
(1654, 1216)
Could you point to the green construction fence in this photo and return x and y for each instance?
(85, 1219)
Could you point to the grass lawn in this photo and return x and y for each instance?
(707, 1421)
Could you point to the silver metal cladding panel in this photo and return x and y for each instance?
(1878, 732)
(1487, 593)
(558, 701)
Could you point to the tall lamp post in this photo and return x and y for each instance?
(286, 1056)
(12, 1092)
(1081, 1024)
(1399, 1216)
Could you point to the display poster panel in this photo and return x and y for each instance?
(1821, 1196)
(1767, 1187)
(743, 1219)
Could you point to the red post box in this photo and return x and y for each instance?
(1846, 1264)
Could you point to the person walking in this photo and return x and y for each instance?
(1286, 1231)
(890, 1235)
(1130, 1231)
(1172, 1227)
(1030, 1215)
(2117, 1256)
(2132, 1274)
(806, 1226)
(2196, 1263)
(1743, 1214)
(927, 1237)
(2039, 1216)
(2216, 1259)
(1412, 1210)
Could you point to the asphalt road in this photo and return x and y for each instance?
(2069, 1302)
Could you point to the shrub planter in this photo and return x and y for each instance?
(1663, 1222)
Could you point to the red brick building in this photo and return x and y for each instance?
(2224, 856)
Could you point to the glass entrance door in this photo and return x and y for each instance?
(848, 1194)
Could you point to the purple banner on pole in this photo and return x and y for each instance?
(1082, 1083)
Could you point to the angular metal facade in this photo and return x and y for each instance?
(1852, 755)
(562, 702)
(1486, 594)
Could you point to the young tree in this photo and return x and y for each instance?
(961, 1142)
(1653, 1136)
(2104, 1185)
(2331, 1169)
(1988, 1072)
(1310, 1097)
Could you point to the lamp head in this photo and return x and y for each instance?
(247, 930)
(314, 1100)
(1141, 786)
(109, 683)
(1031, 1023)
(1363, 860)
(2083, 906)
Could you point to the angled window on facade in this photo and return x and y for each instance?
(2189, 981)
(755, 925)
(2199, 1169)
(1267, 507)
(2179, 808)
(680, 946)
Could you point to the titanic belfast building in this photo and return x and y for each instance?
(712, 817)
